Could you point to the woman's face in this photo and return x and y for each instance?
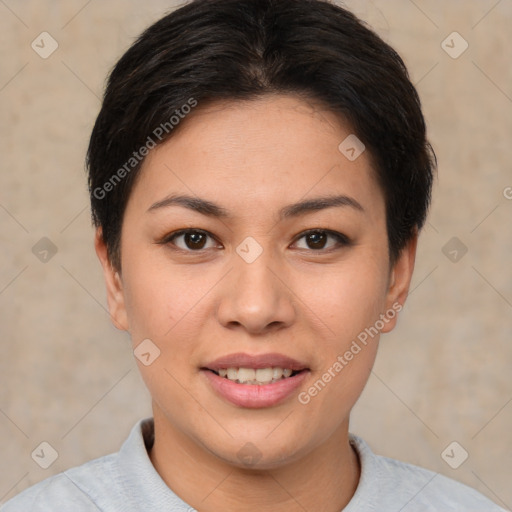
(252, 241)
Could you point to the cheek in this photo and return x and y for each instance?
(348, 299)
(163, 304)
(159, 297)
(349, 303)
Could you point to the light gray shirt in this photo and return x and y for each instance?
(127, 482)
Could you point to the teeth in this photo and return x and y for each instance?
(264, 375)
(254, 377)
(246, 375)
(277, 373)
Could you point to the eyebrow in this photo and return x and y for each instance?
(211, 209)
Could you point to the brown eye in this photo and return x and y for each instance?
(194, 240)
(190, 240)
(318, 240)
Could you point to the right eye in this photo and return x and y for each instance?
(190, 240)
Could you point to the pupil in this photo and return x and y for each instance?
(316, 240)
(195, 239)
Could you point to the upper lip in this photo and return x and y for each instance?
(241, 360)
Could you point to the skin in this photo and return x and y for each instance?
(309, 303)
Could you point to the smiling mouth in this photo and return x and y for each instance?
(255, 377)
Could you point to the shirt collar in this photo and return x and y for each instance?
(139, 478)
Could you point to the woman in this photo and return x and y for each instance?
(259, 173)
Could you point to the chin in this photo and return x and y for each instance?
(259, 453)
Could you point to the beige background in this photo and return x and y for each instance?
(69, 378)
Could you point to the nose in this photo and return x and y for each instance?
(255, 297)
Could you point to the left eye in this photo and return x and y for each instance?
(318, 239)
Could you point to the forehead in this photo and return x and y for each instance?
(263, 150)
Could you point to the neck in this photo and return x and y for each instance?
(324, 480)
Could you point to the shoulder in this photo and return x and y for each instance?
(386, 484)
(104, 484)
(125, 481)
(74, 489)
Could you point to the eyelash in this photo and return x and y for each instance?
(341, 239)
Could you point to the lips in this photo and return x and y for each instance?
(240, 378)
(242, 360)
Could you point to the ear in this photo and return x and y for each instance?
(399, 282)
(113, 283)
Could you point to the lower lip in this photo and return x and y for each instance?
(255, 396)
